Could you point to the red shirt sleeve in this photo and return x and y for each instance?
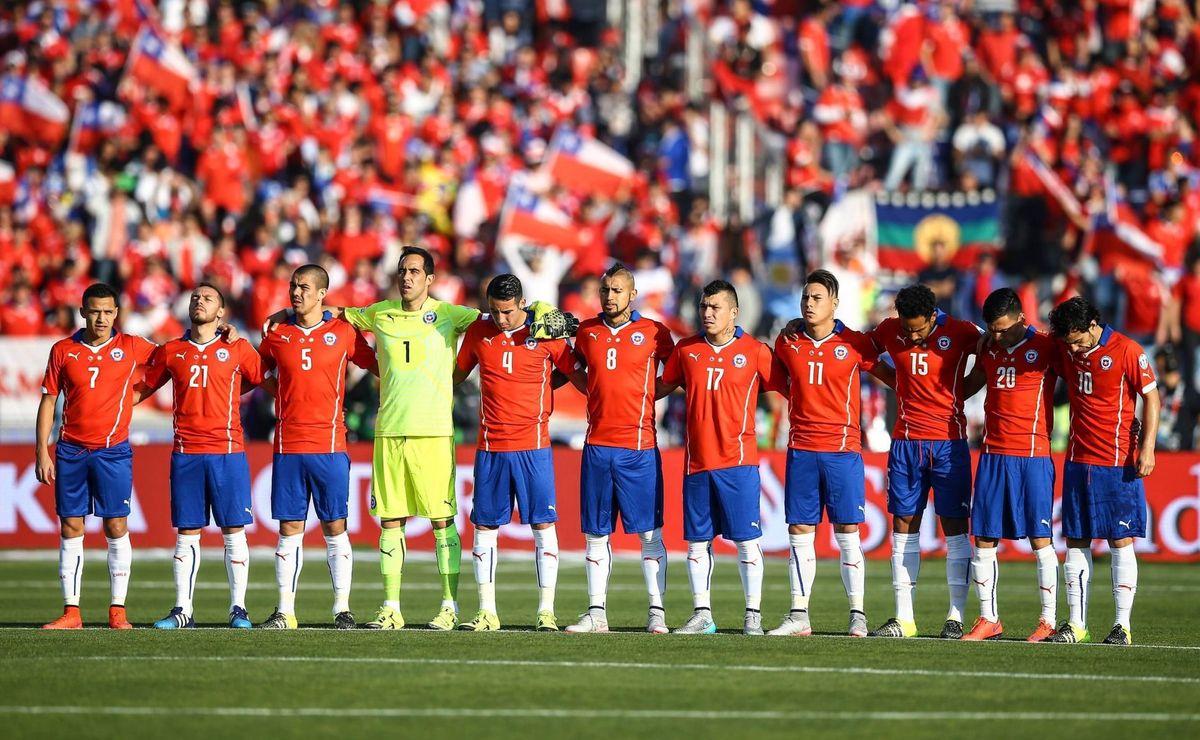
(143, 350)
(467, 359)
(51, 381)
(867, 350)
(251, 363)
(363, 354)
(1138, 369)
(156, 372)
(672, 372)
(664, 346)
(266, 351)
(770, 370)
(563, 357)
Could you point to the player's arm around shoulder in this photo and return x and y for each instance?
(251, 365)
(1138, 366)
(468, 357)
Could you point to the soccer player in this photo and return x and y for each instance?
(513, 462)
(1014, 482)
(722, 371)
(824, 462)
(209, 473)
(92, 465)
(1107, 457)
(621, 472)
(929, 448)
(309, 355)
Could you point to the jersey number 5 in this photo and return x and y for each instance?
(306, 358)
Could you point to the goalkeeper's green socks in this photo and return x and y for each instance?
(449, 562)
(391, 564)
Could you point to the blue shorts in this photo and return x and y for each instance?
(210, 484)
(1014, 497)
(914, 466)
(613, 481)
(96, 482)
(833, 481)
(724, 502)
(502, 478)
(1102, 502)
(323, 477)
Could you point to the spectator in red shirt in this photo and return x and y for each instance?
(843, 119)
(22, 315)
(914, 118)
(946, 39)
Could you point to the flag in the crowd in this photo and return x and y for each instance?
(128, 15)
(586, 165)
(1056, 188)
(908, 226)
(95, 121)
(1116, 234)
(8, 183)
(162, 67)
(477, 200)
(30, 110)
(531, 218)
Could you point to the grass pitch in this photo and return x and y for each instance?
(520, 684)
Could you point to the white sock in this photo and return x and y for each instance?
(700, 568)
(1047, 576)
(985, 572)
(802, 568)
(186, 565)
(289, 559)
(654, 565)
(906, 567)
(854, 577)
(340, 557)
(750, 567)
(237, 567)
(70, 568)
(1124, 582)
(484, 556)
(545, 552)
(120, 561)
(1077, 572)
(597, 565)
(958, 566)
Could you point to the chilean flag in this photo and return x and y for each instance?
(586, 165)
(531, 218)
(478, 200)
(161, 67)
(95, 121)
(29, 110)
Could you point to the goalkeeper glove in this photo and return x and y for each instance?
(551, 323)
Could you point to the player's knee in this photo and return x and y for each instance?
(290, 528)
(116, 527)
(801, 528)
(333, 528)
(71, 527)
(652, 537)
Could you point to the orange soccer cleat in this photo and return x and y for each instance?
(1043, 631)
(984, 630)
(117, 619)
(70, 620)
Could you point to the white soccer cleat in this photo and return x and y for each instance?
(656, 621)
(752, 624)
(858, 624)
(794, 624)
(595, 619)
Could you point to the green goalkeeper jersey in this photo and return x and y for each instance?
(416, 351)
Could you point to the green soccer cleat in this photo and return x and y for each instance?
(1119, 636)
(280, 621)
(446, 620)
(546, 621)
(483, 622)
(387, 619)
(896, 628)
(344, 621)
(1070, 633)
(700, 623)
(952, 630)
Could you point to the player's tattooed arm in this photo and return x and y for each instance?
(662, 390)
(975, 381)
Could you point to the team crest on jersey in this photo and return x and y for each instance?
(531, 343)
(739, 361)
(841, 352)
(943, 343)
(118, 354)
(1031, 356)
(222, 354)
(638, 338)
(1105, 362)
(429, 317)
(1143, 363)
(330, 338)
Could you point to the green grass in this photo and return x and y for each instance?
(521, 684)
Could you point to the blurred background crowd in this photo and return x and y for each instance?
(157, 144)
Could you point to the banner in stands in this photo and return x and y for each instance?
(27, 518)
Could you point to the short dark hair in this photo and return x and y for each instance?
(319, 276)
(915, 301)
(206, 284)
(616, 270)
(719, 286)
(825, 278)
(1071, 316)
(1002, 302)
(505, 287)
(426, 258)
(100, 290)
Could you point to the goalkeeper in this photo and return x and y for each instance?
(413, 465)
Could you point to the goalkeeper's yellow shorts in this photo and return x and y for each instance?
(413, 476)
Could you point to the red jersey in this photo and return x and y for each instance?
(1019, 405)
(311, 365)
(516, 397)
(622, 366)
(825, 399)
(722, 386)
(1103, 385)
(207, 387)
(929, 377)
(98, 384)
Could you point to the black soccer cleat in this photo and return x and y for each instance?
(952, 630)
(344, 621)
(1118, 636)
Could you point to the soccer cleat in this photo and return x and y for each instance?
(344, 621)
(752, 624)
(1070, 633)
(895, 628)
(595, 619)
(117, 619)
(952, 630)
(483, 622)
(279, 621)
(175, 619)
(70, 620)
(386, 619)
(239, 619)
(858, 624)
(656, 621)
(795, 623)
(1118, 636)
(546, 621)
(984, 630)
(446, 620)
(700, 623)
(1042, 633)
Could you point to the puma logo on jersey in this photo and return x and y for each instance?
(1046, 522)
(863, 509)
(1124, 524)
(181, 355)
(755, 525)
(73, 355)
(594, 335)
(286, 337)
(551, 508)
(693, 355)
(487, 341)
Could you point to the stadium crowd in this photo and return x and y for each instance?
(337, 132)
